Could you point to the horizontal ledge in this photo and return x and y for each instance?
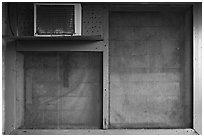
(84, 37)
(60, 45)
(108, 131)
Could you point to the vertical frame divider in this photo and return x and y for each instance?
(197, 67)
(10, 88)
(105, 68)
(19, 95)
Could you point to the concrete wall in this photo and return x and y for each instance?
(22, 18)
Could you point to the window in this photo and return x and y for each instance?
(62, 90)
(150, 69)
(141, 77)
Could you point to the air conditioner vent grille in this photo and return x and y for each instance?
(55, 19)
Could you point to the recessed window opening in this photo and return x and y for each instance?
(62, 90)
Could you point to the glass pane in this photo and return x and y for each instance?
(148, 71)
(63, 90)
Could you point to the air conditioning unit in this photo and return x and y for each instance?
(57, 19)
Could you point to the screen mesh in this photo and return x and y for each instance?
(55, 19)
(63, 90)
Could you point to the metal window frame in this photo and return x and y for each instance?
(77, 19)
(102, 46)
(197, 67)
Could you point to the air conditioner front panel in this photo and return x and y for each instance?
(56, 19)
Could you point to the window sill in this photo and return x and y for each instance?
(107, 132)
(64, 38)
